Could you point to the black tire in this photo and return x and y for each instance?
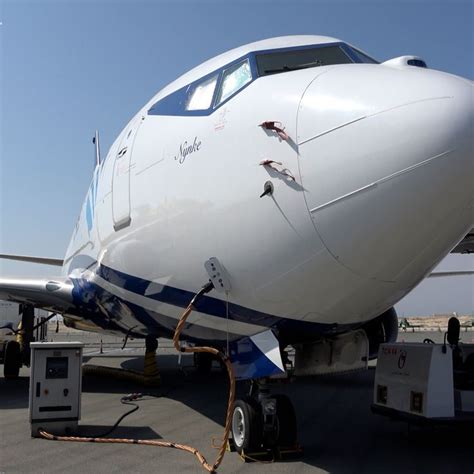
(151, 343)
(286, 421)
(203, 362)
(12, 360)
(247, 436)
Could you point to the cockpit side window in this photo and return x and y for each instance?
(233, 79)
(201, 94)
(284, 61)
(362, 57)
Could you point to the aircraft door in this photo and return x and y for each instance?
(121, 177)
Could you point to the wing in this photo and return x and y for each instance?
(449, 274)
(57, 262)
(466, 245)
(52, 295)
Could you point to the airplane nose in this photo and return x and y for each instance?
(388, 167)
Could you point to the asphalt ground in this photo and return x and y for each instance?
(336, 427)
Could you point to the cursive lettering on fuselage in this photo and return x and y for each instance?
(186, 149)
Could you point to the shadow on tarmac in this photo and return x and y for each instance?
(336, 427)
(14, 393)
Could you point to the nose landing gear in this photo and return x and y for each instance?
(264, 425)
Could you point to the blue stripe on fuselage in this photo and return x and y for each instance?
(291, 328)
(113, 313)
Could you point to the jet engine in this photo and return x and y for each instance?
(349, 351)
(382, 329)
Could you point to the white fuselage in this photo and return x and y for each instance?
(382, 158)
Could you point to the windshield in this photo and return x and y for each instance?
(273, 63)
(283, 61)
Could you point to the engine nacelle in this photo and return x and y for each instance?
(349, 351)
(338, 354)
(382, 329)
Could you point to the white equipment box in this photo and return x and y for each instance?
(55, 386)
(418, 381)
(415, 378)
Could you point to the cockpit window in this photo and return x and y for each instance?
(233, 79)
(362, 57)
(206, 94)
(201, 94)
(273, 63)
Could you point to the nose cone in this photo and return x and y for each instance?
(386, 158)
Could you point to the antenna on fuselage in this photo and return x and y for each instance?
(95, 141)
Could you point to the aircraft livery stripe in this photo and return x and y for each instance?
(207, 304)
(128, 317)
(174, 312)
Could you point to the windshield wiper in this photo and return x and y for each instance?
(286, 68)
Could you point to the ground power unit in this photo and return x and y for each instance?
(425, 382)
(55, 387)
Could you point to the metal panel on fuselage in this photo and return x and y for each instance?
(386, 167)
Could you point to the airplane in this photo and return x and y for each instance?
(311, 184)
(468, 324)
(404, 324)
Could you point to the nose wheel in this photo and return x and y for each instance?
(264, 424)
(247, 430)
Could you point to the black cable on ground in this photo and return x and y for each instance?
(126, 400)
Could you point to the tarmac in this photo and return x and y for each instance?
(337, 430)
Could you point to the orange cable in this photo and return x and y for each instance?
(169, 444)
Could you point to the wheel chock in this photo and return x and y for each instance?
(276, 453)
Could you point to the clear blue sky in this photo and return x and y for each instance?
(69, 67)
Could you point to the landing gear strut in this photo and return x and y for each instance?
(264, 422)
(203, 362)
(151, 343)
(27, 325)
(12, 360)
(17, 353)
